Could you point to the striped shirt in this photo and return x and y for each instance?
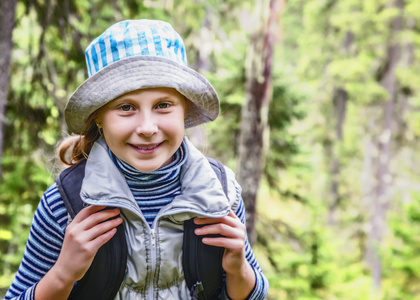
(153, 190)
(50, 221)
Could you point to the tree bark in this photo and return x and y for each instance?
(202, 62)
(340, 97)
(340, 104)
(383, 178)
(7, 22)
(255, 110)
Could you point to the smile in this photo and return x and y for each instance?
(146, 147)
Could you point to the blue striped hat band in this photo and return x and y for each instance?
(133, 38)
(139, 54)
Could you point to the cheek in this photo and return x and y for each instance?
(175, 131)
(173, 123)
(115, 130)
(114, 123)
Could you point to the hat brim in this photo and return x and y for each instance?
(140, 72)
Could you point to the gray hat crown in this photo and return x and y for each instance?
(139, 54)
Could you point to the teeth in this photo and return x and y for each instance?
(145, 148)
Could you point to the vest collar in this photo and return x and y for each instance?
(201, 191)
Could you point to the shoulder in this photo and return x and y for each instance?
(234, 189)
(52, 208)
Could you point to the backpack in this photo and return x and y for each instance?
(202, 263)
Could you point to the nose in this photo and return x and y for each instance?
(147, 125)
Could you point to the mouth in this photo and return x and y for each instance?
(146, 147)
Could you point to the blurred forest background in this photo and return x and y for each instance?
(320, 118)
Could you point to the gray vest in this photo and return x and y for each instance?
(154, 265)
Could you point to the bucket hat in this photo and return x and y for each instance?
(138, 54)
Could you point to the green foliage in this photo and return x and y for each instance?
(402, 259)
(306, 250)
(24, 180)
(304, 260)
(330, 45)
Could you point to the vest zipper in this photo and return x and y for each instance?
(152, 231)
(153, 261)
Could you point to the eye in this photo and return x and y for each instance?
(126, 107)
(163, 105)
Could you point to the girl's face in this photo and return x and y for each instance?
(144, 128)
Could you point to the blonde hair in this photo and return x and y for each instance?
(76, 148)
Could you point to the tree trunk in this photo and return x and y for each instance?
(7, 22)
(381, 192)
(340, 104)
(202, 62)
(340, 97)
(255, 110)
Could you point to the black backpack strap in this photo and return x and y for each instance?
(69, 184)
(106, 273)
(220, 171)
(202, 263)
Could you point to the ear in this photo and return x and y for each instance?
(98, 119)
(98, 122)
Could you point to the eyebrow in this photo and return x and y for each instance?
(126, 98)
(165, 98)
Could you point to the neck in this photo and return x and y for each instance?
(153, 190)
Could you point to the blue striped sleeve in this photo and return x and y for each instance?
(260, 290)
(43, 246)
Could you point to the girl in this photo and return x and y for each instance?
(130, 116)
